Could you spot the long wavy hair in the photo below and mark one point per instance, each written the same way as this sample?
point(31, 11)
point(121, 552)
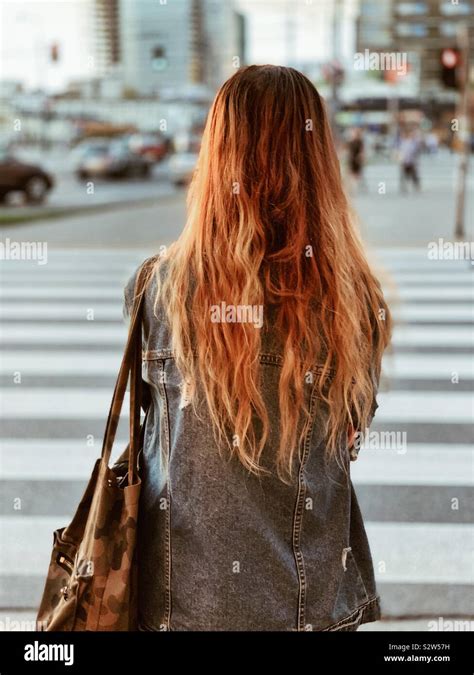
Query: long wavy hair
point(269, 224)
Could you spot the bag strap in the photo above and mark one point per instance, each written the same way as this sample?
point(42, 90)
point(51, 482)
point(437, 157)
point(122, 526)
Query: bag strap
point(130, 366)
point(135, 402)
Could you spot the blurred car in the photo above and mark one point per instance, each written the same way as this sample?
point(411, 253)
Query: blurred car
point(109, 159)
point(18, 176)
point(181, 167)
point(153, 147)
point(87, 129)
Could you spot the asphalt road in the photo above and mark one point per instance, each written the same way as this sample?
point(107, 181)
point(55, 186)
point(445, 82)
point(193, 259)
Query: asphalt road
point(386, 218)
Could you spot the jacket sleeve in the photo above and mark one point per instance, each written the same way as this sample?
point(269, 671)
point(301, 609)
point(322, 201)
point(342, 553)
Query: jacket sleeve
point(375, 379)
point(129, 290)
point(128, 295)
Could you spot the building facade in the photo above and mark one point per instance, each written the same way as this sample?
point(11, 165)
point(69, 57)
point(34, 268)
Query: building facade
point(421, 27)
point(176, 43)
point(106, 23)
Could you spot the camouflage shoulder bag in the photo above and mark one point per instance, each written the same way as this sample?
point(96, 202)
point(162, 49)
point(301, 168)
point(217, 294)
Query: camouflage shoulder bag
point(91, 582)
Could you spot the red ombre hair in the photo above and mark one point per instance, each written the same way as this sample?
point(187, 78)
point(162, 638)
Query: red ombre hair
point(268, 222)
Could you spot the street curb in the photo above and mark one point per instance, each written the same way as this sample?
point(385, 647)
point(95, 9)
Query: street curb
point(65, 212)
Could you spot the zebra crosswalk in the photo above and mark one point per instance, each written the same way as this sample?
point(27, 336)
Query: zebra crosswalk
point(61, 340)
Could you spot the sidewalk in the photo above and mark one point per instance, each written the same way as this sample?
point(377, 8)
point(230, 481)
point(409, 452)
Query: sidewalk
point(389, 218)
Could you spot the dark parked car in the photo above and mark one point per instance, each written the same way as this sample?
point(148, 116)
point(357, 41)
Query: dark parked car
point(109, 159)
point(17, 176)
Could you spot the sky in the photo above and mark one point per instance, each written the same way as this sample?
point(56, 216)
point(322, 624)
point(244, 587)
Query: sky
point(279, 31)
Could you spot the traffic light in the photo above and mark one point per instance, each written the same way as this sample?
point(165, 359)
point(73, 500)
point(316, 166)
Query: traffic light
point(158, 58)
point(54, 52)
point(449, 59)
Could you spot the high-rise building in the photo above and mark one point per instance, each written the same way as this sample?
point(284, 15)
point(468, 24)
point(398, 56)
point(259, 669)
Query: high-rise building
point(374, 25)
point(173, 43)
point(105, 19)
point(422, 27)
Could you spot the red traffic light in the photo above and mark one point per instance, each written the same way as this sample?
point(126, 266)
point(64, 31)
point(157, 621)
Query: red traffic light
point(450, 58)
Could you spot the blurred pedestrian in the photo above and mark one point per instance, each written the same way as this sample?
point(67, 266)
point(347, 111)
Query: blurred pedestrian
point(432, 143)
point(409, 151)
point(355, 159)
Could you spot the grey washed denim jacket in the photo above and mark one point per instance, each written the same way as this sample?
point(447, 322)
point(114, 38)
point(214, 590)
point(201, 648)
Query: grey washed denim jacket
point(222, 549)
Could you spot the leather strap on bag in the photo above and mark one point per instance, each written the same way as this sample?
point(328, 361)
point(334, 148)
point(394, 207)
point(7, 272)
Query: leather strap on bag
point(130, 367)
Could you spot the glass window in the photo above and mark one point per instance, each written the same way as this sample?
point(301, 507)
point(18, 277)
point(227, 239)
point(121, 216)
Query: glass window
point(448, 28)
point(411, 8)
point(379, 36)
point(375, 9)
point(463, 7)
point(411, 30)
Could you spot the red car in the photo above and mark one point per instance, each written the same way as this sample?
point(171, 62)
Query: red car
point(153, 147)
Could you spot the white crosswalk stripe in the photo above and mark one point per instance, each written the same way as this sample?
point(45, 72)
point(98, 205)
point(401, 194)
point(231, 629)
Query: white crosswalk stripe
point(61, 337)
point(62, 334)
point(73, 362)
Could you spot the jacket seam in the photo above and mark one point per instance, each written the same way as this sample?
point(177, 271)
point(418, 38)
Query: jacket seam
point(269, 358)
point(298, 520)
point(162, 388)
point(358, 611)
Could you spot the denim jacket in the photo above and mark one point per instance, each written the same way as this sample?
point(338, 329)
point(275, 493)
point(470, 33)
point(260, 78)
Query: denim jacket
point(222, 549)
